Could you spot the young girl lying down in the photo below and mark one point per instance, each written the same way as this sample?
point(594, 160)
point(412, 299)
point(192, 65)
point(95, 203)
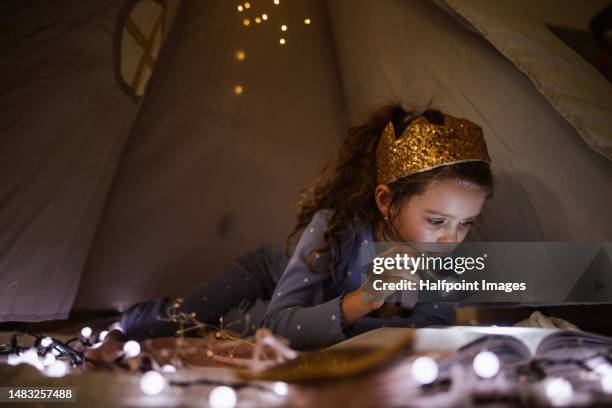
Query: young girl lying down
point(399, 177)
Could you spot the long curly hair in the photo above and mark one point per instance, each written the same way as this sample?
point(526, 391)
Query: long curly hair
point(347, 185)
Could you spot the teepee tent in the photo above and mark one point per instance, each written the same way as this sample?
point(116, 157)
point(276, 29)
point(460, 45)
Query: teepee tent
point(111, 194)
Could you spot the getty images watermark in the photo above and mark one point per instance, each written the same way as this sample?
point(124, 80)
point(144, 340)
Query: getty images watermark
point(523, 272)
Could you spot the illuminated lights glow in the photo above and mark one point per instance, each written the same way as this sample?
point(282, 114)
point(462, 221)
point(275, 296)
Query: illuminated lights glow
point(307, 21)
point(48, 359)
point(238, 89)
point(559, 391)
point(486, 364)
point(168, 368)
point(282, 41)
point(606, 382)
point(425, 370)
point(102, 335)
point(86, 331)
point(281, 388)
point(131, 348)
point(246, 22)
point(222, 397)
point(14, 359)
point(283, 27)
point(152, 383)
point(46, 341)
point(57, 369)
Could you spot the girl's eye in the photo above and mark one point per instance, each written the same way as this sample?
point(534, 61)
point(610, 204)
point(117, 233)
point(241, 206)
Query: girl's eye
point(467, 223)
point(435, 222)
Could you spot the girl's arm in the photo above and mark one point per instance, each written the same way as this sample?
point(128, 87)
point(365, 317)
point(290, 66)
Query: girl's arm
point(424, 314)
point(299, 310)
point(354, 307)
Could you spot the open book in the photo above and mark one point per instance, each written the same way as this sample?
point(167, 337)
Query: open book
point(459, 343)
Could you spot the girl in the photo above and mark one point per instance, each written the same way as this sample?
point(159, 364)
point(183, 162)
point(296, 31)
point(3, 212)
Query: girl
point(399, 177)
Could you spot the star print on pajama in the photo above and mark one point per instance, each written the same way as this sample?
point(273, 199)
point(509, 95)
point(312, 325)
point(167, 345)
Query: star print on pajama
point(307, 305)
point(266, 289)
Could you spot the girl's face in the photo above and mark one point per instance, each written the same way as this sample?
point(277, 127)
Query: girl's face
point(443, 213)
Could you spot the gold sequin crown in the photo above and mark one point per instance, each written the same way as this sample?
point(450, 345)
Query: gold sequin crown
point(424, 146)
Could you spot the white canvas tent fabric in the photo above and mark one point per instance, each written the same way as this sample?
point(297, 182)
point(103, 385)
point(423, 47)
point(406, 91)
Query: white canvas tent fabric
point(207, 175)
point(63, 125)
point(550, 185)
point(62, 129)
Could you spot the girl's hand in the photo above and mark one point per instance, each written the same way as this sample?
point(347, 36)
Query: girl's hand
point(391, 277)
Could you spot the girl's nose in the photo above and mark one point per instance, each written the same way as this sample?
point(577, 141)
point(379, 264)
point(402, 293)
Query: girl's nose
point(449, 236)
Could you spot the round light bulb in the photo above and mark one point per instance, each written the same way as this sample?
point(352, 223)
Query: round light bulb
point(282, 41)
point(246, 22)
point(152, 383)
point(264, 16)
point(307, 21)
point(46, 341)
point(559, 391)
point(238, 89)
point(57, 369)
point(281, 388)
point(240, 55)
point(222, 397)
point(425, 370)
point(86, 331)
point(102, 335)
point(240, 8)
point(48, 359)
point(283, 28)
point(257, 20)
point(606, 382)
point(14, 359)
point(486, 364)
point(247, 5)
point(31, 357)
point(277, 2)
point(131, 348)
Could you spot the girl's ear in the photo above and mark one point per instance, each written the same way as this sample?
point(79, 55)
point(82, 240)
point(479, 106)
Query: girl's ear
point(383, 196)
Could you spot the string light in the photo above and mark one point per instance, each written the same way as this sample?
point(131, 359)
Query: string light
point(247, 5)
point(57, 369)
point(281, 388)
point(131, 348)
point(86, 331)
point(246, 22)
point(257, 20)
point(486, 364)
point(282, 41)
point(31, 357)
point(283, 27)
point(240, 8)
point(277, 2)
point(48, 359)
point(264, 16)
point(102, 335)
point(152, 383)
point(559, 391)
point(238, 89)
point(425, 370)
point(222, 397)
point(307, 21)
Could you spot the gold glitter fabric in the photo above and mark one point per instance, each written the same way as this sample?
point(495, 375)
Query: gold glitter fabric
point(424, 146)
